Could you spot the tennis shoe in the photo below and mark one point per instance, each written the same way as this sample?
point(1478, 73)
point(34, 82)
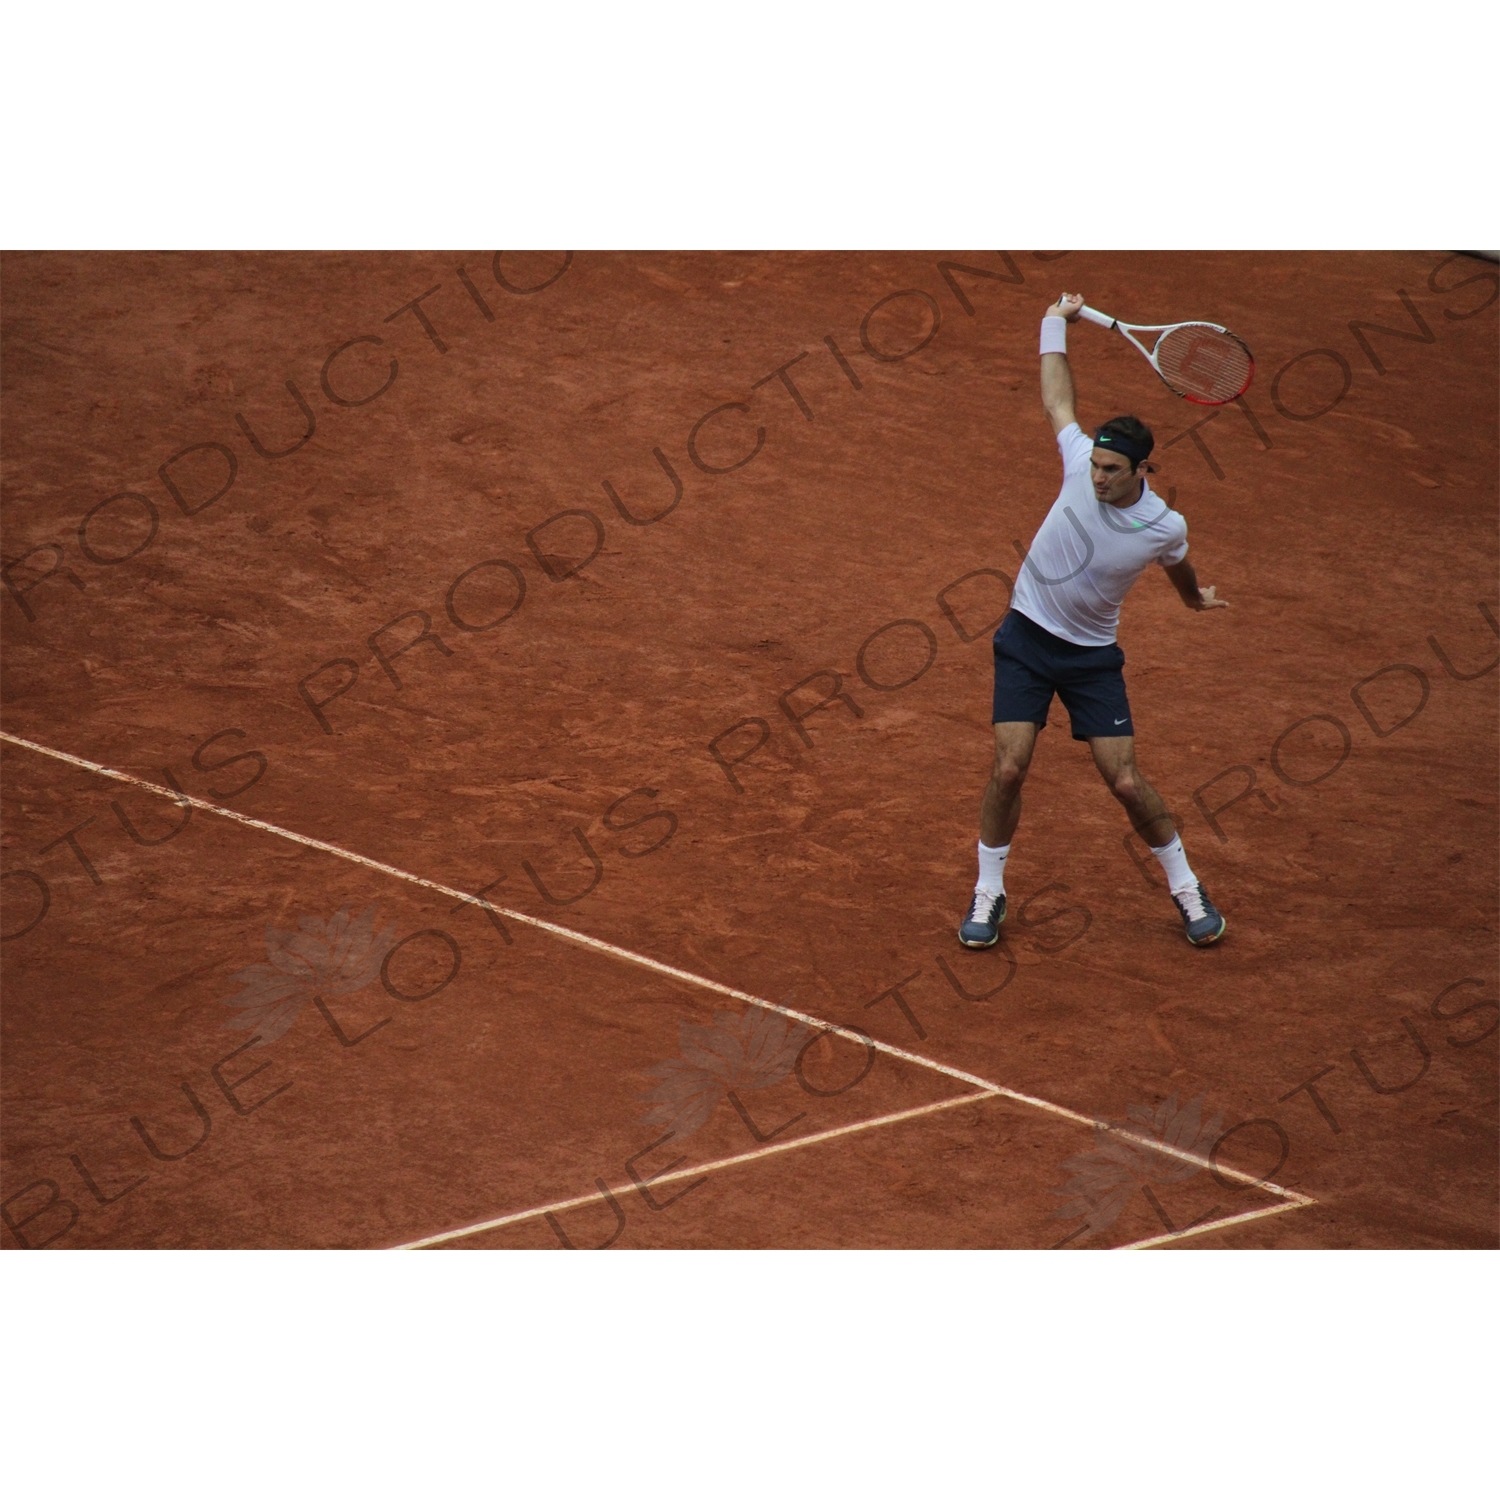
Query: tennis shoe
point(981, 928)
point(1201, 921)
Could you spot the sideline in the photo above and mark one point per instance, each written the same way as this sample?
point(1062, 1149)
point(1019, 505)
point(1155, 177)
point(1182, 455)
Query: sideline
point(987, 1089)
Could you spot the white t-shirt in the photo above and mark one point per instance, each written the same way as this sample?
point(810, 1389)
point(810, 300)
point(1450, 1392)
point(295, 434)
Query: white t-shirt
point(1086, 554)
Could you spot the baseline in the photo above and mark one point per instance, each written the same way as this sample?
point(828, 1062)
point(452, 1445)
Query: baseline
point(1296, 1200)
point(705, 1167)
point(986, 1088)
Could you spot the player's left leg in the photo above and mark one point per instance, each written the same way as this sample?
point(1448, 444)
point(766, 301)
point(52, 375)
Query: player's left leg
point(1114, 755)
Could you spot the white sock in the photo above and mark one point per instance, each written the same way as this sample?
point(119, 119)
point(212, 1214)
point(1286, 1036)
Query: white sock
point(1174, 864)
point(992, 869)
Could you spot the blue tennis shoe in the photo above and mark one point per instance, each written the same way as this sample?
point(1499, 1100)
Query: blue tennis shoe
point(981, 928)
point(1201, 920)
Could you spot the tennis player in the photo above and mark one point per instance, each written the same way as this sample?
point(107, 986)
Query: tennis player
point(1059, 637)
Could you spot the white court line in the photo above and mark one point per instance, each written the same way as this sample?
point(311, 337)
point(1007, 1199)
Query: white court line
point(812, 1140)
point(708, 1166)
point(1303, 1201)
point(640, 959)
point(567, 933)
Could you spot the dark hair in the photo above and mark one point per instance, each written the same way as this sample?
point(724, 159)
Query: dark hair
point(1135, 438)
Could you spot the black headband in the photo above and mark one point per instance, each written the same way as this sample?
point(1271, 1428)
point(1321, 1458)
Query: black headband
point(1118, 443)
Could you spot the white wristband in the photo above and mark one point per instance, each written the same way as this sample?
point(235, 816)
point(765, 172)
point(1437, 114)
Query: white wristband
point(1054, 335)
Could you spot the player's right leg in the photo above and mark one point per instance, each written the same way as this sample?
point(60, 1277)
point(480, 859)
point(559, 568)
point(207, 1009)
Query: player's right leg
point(999, 813)
point(1000, 810)
point(1023, 694)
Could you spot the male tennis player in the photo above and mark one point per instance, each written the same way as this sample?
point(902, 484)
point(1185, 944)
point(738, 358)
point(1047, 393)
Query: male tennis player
point(1059, 637)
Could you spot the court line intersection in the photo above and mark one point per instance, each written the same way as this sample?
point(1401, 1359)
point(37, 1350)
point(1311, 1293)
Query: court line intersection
point(985, 1088)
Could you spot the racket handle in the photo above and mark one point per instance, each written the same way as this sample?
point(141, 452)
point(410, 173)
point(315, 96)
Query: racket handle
point(1090, 316)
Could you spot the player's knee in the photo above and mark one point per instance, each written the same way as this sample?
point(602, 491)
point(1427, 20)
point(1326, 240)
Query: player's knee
point(1126, 785)
point(1008, 774)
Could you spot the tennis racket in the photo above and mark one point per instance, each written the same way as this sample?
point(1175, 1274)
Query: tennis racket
point(1199, 361)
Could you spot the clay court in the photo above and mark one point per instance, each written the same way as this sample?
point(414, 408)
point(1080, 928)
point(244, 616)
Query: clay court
point(616, 626)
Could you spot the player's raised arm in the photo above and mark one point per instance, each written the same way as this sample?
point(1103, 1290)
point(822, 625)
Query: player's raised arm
point(1057, 378)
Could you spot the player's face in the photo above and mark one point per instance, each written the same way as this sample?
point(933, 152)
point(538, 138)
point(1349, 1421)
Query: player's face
point(1113, 481)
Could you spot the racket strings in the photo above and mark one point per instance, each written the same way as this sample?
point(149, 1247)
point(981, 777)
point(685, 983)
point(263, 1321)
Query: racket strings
point(1203, 363)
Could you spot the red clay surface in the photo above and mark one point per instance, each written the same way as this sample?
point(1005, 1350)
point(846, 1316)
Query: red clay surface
point(1359, 883)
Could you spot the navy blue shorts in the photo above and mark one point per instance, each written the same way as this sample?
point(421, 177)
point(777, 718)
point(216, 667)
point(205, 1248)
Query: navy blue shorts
point(1031, 664)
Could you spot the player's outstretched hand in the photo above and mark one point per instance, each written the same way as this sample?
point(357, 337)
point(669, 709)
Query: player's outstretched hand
point(1207, 600)
point(1066, 306)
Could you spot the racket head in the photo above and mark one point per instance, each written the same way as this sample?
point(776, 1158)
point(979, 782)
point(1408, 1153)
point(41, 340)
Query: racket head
point(1203, 363)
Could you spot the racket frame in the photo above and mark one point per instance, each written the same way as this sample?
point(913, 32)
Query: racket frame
point(1161, 330)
